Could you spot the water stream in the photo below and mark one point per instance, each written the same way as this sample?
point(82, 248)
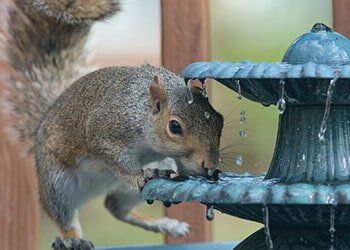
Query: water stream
point(265, 213)
point(323, 127)
point(239, 90)
point(332, 227)
point(204, 86)
point(189, 96)
point(281, 104)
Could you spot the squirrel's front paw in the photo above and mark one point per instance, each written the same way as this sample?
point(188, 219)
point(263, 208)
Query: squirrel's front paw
point(172, 227)
point(71, 244)
point(153, 173)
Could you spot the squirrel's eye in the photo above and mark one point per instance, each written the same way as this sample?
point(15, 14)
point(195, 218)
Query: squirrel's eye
point(175, 127)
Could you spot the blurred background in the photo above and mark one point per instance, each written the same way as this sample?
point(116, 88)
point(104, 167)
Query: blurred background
point(256, 30)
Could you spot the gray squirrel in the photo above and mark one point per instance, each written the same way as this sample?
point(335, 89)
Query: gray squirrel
point(96, 133)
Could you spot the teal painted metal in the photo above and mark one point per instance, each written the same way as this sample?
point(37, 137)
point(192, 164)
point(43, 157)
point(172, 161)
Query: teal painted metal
point(300, 239)
point(194, 246)
point(308, 182)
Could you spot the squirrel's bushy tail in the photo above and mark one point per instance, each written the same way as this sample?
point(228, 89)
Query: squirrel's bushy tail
point(42, 46)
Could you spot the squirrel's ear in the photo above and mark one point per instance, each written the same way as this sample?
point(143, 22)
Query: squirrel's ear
point(158, 96)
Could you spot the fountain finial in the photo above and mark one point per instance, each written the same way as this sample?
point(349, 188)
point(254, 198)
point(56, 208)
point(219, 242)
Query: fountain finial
point(321, 45)
point(320, 27)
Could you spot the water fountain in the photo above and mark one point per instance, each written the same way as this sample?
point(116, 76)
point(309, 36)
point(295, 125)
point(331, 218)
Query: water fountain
point(304, 199)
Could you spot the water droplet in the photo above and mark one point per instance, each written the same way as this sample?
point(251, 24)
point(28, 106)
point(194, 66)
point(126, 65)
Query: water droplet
point(149, 202)
point(167, 203)
point(303, 157)
point(323, 127)
point(255, 164)
point(332, 226)
point(238, 160)
point(242, 120)
point(242, 133)
point(220, 160)
point(281, 104)
point(239, 90)
point(206, 114)
point(242, 113)
point(210, 213)
point(265, 213)
point(189, 95)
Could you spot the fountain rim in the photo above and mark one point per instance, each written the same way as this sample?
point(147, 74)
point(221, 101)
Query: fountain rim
point(264, 70)
point(238, 190)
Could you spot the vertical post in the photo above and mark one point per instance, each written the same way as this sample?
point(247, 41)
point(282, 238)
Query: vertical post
point(185, 40)
point(19, 211)
point(341, 16)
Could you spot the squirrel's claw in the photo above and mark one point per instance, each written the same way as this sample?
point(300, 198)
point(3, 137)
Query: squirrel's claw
point(150, 173)
point(153, 173)
point(71, 244)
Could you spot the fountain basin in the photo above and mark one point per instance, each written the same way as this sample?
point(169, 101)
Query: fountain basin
point(304, 198)
point(245, 195)
point(305, 84)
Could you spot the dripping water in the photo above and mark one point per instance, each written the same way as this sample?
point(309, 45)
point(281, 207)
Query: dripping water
point(242, 133)
point(238, 83)
point(149, 202)
point(189, 95)
point(242, 119)
point(210, 213)
point(238, 160)
point(204, 86)
point(332, 227)
point(281, 104)
point(265, 213)
point(206, 114)
point(323, 127)
point(167, 203)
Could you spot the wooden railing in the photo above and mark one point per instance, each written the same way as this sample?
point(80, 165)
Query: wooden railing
point(185, 40)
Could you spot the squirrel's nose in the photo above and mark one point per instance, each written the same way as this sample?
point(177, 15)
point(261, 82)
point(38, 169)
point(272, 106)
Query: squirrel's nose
point(212, 172)
point(207, 166)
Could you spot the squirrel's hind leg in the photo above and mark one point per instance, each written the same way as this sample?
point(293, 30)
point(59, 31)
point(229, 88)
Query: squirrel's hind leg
point(121, 203)
point(60, 199)
point(72, 236)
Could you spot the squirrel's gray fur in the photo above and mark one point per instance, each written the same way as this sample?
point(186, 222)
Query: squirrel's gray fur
point(98, 132)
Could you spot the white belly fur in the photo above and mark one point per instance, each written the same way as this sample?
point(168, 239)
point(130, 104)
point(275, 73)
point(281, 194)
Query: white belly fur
point(93, 178)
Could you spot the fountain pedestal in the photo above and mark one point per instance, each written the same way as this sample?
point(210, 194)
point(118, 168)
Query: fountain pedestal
point(301, 156)
point(304, 199)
